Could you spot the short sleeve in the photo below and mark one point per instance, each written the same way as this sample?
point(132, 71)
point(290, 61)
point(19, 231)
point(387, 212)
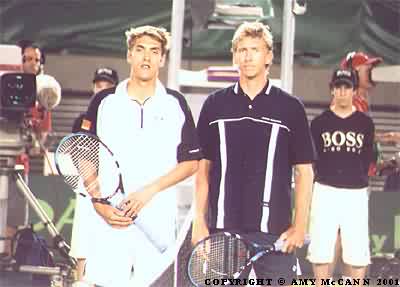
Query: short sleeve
point(208, 134)
point(189, 148)
point(301, 146)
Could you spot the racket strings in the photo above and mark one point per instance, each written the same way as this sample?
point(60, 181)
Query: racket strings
point(82, 159)
point(218, 257)
point(79, 157)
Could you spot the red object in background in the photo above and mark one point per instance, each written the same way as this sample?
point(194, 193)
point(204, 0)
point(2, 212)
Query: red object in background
point(355, 59)
point(40, 119)
point(361, 104)
point(23, 159)
point(372, 171)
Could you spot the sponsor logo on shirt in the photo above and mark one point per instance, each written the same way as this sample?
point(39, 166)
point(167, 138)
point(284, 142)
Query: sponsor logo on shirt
point(86, 124)
point(340, 141)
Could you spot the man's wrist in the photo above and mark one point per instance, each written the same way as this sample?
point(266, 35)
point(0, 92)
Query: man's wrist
point(299, 228)
point(99, 201)
point(153, 188)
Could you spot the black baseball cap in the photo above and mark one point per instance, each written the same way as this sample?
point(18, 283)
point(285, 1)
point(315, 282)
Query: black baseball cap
point(346, 77)
point(106, 74)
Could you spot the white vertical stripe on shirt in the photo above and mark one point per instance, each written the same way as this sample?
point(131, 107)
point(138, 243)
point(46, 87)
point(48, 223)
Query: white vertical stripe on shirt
point(221, 196)
point(268, 177)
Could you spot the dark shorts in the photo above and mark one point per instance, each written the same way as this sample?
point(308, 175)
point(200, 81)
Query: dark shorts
point(274, 266)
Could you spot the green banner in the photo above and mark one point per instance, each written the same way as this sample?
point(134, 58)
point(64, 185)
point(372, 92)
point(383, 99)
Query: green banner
point(59, 203)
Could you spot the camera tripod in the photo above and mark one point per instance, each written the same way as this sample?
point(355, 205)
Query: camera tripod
point(57, 274)
point(9, 149)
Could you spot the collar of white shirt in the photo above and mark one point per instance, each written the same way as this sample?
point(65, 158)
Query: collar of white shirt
point(122, 88)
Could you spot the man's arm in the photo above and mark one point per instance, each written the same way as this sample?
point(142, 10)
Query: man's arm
point(137, 200)
point(200, 226)
point(303, 178)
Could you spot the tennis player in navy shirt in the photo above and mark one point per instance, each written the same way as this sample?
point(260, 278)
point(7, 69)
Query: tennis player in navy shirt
point(254, 136)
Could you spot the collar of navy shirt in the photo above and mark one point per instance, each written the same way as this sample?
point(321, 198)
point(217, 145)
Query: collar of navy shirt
point(237, 89)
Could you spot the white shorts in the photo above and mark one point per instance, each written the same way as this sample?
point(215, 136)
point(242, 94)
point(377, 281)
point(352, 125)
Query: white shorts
point(113, 252)
point(334, 209)
point(82, 227)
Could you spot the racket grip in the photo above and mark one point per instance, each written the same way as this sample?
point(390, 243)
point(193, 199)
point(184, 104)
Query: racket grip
point(278, 245)
point(100, 200)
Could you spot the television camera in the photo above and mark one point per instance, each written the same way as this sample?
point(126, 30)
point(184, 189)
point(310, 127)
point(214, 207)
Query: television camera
point(19, 94)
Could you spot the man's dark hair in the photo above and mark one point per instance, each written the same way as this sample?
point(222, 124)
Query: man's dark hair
point(25, 43)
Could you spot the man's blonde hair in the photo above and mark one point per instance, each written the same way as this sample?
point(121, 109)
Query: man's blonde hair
point(157, 33)
point(253, 30)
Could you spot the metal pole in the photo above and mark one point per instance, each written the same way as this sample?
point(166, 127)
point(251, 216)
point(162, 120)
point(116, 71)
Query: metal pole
point(58, 240)
point(288, 32)
point(3, 207)
point(175, 55)
point(174, 63)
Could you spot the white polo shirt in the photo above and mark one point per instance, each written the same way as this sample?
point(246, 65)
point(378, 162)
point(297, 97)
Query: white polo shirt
point(148, 140)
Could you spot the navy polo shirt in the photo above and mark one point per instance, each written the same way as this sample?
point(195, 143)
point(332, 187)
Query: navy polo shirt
point(87, 122)
point(253, 145)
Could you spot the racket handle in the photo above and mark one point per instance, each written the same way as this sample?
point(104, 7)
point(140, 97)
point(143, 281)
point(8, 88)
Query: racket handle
point(100, 200)
point(278, 245)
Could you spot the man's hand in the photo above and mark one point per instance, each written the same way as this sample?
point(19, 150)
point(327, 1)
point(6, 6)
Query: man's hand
point(292, 239)
point(135, 201)
point(112, 216)
point(199, 230)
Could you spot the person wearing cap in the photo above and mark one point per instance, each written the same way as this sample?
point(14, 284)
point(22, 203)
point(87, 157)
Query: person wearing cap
point(343, 137)
point(104, 81)
point(362, 64)
point(104, 78)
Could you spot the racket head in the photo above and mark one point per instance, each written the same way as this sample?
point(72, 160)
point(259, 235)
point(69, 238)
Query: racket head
point(88, 166)
point(218, 256)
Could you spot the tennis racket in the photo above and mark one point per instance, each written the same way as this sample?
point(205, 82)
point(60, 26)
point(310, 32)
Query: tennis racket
point(225, 255)
point(82, 159)
point(91, 170)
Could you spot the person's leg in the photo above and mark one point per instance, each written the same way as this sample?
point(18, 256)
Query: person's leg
point(109, 260)
point(355, 272)
point(81, 232)
point(355, 234)
point(10, 233)
point(148, 262)
point(321, 271)
point(80, 268)
point(324, 228)
point(337, 259)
